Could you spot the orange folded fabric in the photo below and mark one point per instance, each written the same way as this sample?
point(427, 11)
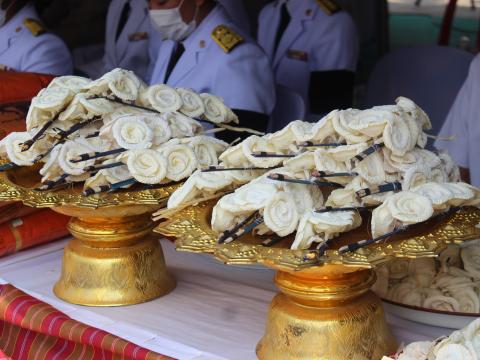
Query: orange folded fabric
point(30, 230)
point(13, 210)
point(16, 91)
point(19, 87)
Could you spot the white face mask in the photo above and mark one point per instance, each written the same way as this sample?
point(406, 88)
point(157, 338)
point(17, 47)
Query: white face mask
point(170, 25)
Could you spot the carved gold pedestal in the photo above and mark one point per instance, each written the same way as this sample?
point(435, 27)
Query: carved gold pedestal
point(112, 260)
point(333, 317)
point(326, 309)
point(115, 258)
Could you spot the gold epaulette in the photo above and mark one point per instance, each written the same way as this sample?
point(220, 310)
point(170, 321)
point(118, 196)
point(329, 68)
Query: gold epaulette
point(330, 7)
point(226, 38)
point(34, 26)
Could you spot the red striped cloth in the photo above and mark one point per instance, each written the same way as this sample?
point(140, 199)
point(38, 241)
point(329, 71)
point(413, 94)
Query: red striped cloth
point(31, 329)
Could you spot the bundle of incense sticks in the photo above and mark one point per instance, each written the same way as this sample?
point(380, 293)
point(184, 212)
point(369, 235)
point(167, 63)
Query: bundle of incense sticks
point(242, 228)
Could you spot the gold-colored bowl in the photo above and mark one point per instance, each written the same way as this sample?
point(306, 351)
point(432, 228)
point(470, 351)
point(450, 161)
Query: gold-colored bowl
point(115, 258)
point(326, 309)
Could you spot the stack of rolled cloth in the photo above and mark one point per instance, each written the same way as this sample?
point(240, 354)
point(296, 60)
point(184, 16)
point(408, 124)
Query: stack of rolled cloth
point(319, 180)
point(116, 132)
point(450, 283)
point(462, 344)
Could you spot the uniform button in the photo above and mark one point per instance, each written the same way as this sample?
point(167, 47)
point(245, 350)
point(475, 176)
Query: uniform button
point(18, 29)
point(308, 12)
point(202, 44)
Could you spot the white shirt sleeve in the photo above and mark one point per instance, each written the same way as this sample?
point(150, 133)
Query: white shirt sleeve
point(462, 116)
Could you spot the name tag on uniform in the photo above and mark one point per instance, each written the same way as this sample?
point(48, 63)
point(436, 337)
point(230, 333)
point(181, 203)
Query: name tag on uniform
point(138, 36)
point(297, 55)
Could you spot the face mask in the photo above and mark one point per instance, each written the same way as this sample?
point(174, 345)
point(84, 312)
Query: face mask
point(170, 25)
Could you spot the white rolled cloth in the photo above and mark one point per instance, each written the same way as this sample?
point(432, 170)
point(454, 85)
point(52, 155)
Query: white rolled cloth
point(147, 166)
point(70, 150)
point(181, 161)
point(162, 98)
point(192, 103)
point(131, 132)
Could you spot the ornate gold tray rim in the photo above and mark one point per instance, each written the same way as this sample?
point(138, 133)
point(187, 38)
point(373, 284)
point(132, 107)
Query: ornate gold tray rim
point(192, 233)
point(9, 191)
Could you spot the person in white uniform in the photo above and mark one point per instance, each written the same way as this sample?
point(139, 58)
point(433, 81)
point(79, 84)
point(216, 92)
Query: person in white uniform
point(203, 50)
point(26, 46)
point(130, 42)
point(313, 47)
point(463, 123)
point(127, 37)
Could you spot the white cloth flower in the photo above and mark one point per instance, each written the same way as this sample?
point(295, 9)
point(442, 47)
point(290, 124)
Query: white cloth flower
point(181, 161)
point(12, 146)
point(181, 125)
point(70, 150)
point(162, 98)
point(131, 132)
point(280, 214)
point(441, 303)
point(216, 111)
point(192, 103)
point(73, 83)
point(206, 148)
point(147, 166)
point(471, 260)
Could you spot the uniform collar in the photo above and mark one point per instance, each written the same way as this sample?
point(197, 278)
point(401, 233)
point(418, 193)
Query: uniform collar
point(198, 41)
point(15, 26)
point(201, 37)
point(301, 12)
point(302, 9)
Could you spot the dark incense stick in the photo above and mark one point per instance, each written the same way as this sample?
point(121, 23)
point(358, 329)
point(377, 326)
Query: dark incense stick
point(311, 144)
point(49, 185)
point(352, 208)
point(220, 168)
point(96, 155)
point(7, 166)
point(283, 178)
point(229, 233)
point(363, 243)
point(29, 143)
point(108, 188)
point(245, 230)
point(395, 186)
point(264, 154)
point(323, 174)
point(102, 167)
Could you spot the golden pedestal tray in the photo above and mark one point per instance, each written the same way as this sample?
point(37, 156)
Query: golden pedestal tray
point(324, 310)
point(115, 258)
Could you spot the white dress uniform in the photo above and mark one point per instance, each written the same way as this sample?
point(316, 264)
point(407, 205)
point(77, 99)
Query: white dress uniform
point(25, 46)
point(131, 50)
point(240, 74)
point(317, 39)
point(463, 122)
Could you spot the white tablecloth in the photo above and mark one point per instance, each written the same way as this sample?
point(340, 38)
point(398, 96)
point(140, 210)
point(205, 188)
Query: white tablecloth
point(216, 311)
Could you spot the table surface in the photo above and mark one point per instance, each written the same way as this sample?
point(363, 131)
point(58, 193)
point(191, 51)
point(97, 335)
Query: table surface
point(216, 311)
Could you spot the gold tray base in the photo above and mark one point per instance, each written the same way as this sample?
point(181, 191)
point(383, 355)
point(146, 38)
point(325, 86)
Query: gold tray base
point(112, 261)
point(334, 318)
